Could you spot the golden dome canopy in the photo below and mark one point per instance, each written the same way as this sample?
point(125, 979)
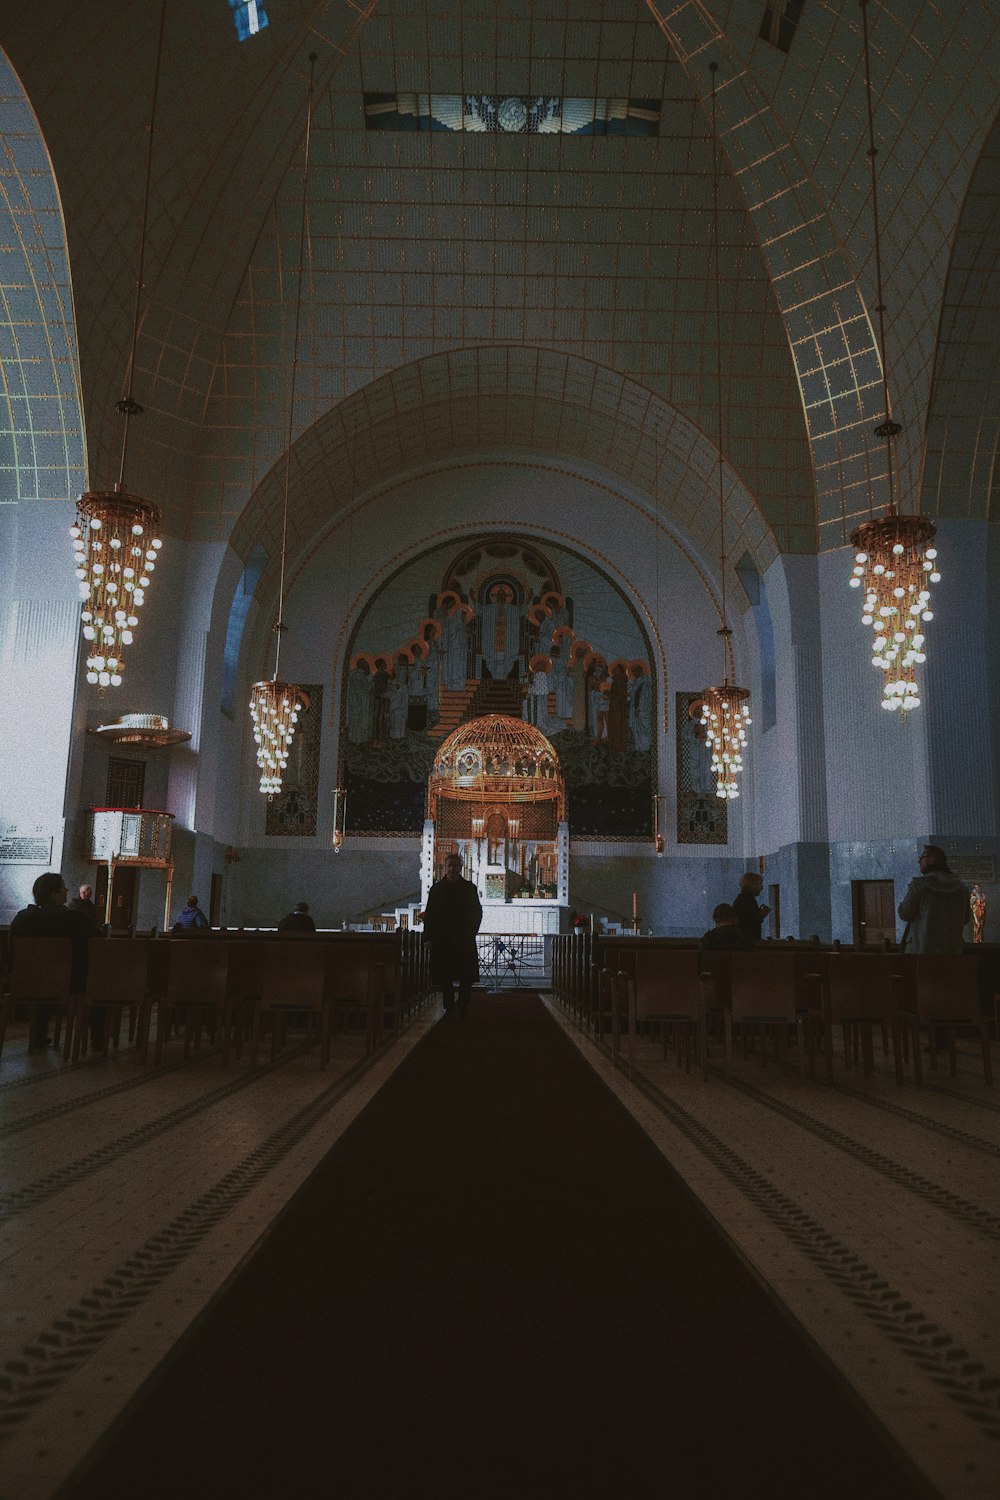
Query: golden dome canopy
point(496, 756)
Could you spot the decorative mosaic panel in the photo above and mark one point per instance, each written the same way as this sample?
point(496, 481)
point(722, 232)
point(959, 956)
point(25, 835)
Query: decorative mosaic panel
point(293, 812)
point(500, 628)
point(701, 815)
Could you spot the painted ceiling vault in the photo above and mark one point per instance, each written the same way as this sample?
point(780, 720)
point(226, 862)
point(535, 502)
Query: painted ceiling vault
point(502, 288)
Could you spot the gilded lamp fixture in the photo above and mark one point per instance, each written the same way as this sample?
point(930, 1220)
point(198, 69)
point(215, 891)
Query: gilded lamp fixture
point(895, 559)
point(725, 713)
point(116, 535)
point(274, 710)
point(725, 710)
point(275, 705)
point(116, 543)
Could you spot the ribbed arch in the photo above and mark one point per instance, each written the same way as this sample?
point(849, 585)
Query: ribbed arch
point(42, 455)
point(519, 403)
point(815, 280)
point(961, 470)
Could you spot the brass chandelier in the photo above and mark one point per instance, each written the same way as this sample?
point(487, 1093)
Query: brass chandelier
point(725, 710)
point(895, 558)
point(116, 535)
point(275, 705)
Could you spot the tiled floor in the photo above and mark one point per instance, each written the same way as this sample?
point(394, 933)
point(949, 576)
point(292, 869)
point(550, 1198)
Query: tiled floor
point(129, 1195)
point(872, 1212)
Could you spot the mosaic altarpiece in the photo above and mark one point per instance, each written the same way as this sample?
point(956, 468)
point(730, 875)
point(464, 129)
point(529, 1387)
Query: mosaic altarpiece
point(293, 812)
point(499, 627)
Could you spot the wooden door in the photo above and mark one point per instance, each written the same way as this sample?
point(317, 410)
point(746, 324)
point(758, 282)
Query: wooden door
point(874, 908)
point(124, 890)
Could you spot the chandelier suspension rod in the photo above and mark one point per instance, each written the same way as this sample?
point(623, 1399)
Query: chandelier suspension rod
point(724, 632)
point(127, 405)
point(280, 625)
point(887, 429)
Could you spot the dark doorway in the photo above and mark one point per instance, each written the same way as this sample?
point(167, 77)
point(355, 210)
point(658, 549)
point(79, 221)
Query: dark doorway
point(873, 904)
point(774, 902)
point(215, 902)
point(123, 896)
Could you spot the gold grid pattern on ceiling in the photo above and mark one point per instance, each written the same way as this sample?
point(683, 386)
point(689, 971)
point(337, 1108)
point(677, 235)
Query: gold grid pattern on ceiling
point(594, 246)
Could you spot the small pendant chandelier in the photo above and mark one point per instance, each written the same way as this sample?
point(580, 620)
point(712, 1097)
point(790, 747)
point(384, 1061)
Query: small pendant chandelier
point(116, 535)
point(725, 710)
point(274, 708)
point(725, 713)
point(275, 705)
point(895, 558)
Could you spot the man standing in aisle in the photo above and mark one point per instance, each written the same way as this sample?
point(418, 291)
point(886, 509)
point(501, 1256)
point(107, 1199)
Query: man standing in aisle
point(451, 921)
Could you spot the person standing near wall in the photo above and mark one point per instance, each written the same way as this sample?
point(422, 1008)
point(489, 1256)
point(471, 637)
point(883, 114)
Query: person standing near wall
point(749, 915)
point(935, 907)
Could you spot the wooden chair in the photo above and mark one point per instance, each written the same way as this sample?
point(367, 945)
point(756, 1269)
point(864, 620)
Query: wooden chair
point(198, 988)
point(358, 987)
point(716, 964)
point(861, 991)
point(947, 995)
point(41, 978)
point(670, 990)
point(605, 1009)
point(117, 980)
point(295, 978)
point(764, 993)
point(244, 983)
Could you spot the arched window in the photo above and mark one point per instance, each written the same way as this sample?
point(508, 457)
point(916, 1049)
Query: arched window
point(242, 600)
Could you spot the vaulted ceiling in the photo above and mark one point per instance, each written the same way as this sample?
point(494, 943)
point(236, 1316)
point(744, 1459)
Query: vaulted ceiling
point(544, 293)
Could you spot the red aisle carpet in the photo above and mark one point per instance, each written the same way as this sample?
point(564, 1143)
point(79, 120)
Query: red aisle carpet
point(494, 1286)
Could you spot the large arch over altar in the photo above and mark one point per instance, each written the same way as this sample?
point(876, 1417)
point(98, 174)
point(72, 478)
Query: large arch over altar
point(496, 797)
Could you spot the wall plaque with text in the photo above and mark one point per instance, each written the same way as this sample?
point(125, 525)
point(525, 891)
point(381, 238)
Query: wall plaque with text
point(28, 849)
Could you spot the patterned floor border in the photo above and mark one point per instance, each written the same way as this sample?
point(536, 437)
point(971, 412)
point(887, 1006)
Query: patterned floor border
point(57, 1352)
point(100, 1095)
point(22, 1199)
point(967, 1382)
point(969, 1214)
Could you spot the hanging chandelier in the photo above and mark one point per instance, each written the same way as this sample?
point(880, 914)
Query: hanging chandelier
point(116, 542)
point(895, 563)
point(116, 535)
point(274, 709)
point(725, 710)
point(275, 705)
point(725, 714)
point(895, 559)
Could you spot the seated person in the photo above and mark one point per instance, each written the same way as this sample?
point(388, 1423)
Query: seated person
point(49, 917)
point(298, 920)
point(191, 918)
point(85, 902)
point(725, 935)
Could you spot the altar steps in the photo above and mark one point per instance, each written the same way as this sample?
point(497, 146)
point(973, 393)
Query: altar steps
point(477, 698)
point(453, 706)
